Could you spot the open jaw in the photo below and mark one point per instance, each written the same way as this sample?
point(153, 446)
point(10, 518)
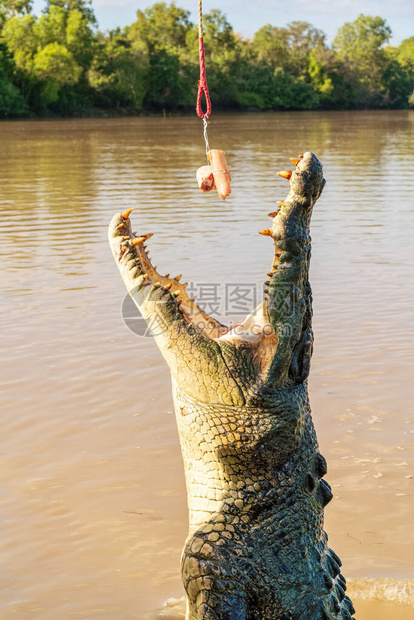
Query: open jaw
point(149, 288)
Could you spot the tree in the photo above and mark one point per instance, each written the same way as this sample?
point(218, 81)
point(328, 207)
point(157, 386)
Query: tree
point(301, 39)
point(320, 62)
point(51, 54)
point(160, 27)
point(160, 32)
point(405, 53)
point(60, 62)
point(270, 46)
point(359, 46)
point(118, 74)
point(11, 100)
point(13, 8)
point(81, 6)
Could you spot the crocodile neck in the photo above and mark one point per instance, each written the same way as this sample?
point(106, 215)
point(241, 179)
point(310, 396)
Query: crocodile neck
point(238, 465)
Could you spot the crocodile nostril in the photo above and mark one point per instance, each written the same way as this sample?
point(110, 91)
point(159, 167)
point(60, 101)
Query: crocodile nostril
point(321, 467)
point(324, 493)
point(310, 481)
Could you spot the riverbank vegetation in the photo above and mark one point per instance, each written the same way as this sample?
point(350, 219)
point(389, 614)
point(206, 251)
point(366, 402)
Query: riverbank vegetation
point(61, 64)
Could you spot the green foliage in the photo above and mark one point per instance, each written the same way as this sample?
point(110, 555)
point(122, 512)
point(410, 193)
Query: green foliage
point(367, 69)
point(405, 53)
point(51, 54)
point(118, 74)
point(13, 8)
point(59, 62)
point(11, 99)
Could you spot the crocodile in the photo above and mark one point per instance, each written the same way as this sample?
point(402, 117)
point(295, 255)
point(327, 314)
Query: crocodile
point(256, 548)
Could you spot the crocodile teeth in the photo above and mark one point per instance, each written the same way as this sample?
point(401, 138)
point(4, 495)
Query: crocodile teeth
point(120, 227)
point(126, 214)
point(286, 174)
point(266, 232)
point(294, 160)
point(168, 286)
point(141, 239)
point(273, 214)
point(122, 252)
point(178, 278)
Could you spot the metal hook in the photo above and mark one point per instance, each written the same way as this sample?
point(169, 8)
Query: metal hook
point(206, 136)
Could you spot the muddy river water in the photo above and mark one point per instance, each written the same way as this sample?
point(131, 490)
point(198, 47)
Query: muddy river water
point(93, 508)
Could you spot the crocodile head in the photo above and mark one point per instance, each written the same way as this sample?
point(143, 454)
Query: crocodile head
point(271, 348)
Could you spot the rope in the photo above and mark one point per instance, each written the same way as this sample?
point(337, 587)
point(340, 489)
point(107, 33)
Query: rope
point(202, 84)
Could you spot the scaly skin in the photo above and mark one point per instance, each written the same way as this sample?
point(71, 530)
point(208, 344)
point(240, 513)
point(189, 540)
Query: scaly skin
point(256, 547)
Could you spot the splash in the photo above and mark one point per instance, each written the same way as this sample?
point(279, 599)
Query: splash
point(173, 609)
point(385, 590)
point(390, 590)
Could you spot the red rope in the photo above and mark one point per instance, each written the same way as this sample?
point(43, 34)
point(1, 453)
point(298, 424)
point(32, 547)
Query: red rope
point(202, 84)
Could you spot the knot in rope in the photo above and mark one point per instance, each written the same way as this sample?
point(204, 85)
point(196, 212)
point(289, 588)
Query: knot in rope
point(202, 84)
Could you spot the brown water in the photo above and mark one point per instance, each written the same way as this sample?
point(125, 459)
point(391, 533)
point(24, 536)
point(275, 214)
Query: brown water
point(93, 502)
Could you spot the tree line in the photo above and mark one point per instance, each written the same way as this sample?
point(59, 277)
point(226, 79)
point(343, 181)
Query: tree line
point(61, 63)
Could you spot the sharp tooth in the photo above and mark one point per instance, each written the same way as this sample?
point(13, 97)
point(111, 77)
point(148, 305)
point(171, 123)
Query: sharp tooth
point(147, 236)
point(270, 273)
point(167, 275)
point(120, 227)
point(280, 203)
point(158, 284)
point(168, 286)
point(145, 276)
point(135, 232)
point(300, 156)
point(155, 267)
point(294, 160)
point(267, 283)
point(141, 239)
point(176, 293)
point(123, 250)
point(266, 232)
point(286, 174)
point(126, 214)
point(178, 278)
point(273, 214)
